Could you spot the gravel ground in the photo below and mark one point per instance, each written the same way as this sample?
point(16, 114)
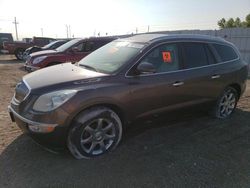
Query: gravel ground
point(190, 152)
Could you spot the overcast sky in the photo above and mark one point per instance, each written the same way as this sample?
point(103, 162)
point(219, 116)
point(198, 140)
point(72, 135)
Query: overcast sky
point(89, 17)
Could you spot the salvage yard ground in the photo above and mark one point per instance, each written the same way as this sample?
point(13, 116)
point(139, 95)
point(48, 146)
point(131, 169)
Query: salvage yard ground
point(190, 152)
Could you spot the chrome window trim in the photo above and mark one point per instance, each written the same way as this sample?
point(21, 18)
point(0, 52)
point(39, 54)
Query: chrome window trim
point(180, 41)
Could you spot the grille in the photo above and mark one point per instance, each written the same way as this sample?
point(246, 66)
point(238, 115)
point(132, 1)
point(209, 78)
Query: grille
point(21, 91)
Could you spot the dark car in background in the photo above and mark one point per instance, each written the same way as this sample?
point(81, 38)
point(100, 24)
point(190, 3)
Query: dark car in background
point(18, 47)
point(87, 106)
point(51, 46)
point(72, 51)
point(5, 37)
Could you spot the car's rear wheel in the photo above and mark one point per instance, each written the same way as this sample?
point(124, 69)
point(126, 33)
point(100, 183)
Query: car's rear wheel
point(95, 132)
point(19, 53)
point(226, 103)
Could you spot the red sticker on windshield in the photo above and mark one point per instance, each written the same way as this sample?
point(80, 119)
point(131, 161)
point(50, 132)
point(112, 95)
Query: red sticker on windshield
point(166, 56)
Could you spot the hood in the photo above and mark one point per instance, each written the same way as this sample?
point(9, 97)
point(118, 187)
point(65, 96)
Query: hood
point(57, 74)
point(45, 52)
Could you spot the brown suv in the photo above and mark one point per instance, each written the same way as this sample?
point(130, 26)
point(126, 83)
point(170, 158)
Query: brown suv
point(87, 106)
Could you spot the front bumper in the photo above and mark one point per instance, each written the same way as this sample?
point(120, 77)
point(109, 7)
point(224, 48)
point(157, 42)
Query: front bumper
point(55, 139)
point(5, 51)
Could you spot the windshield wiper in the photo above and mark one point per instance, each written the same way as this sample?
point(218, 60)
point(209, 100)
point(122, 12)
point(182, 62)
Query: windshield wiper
point(88, 67)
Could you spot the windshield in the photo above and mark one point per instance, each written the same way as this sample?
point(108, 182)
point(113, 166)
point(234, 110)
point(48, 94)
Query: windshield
point(112, 56)
point(67, 45)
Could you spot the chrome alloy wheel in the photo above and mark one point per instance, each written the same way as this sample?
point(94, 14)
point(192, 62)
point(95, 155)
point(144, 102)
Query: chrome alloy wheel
point(227, 104)
point(98, 136)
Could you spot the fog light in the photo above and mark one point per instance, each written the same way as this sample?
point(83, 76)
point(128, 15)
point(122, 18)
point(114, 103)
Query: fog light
point(41, 128)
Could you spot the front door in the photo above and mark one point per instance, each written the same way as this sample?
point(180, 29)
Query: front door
point(155, 92)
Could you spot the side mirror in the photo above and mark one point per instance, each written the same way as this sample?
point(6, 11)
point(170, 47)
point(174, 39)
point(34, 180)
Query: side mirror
point(146, 68)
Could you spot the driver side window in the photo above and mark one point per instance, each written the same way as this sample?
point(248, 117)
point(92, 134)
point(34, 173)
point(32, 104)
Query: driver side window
point(164, 58)
point(79, 47)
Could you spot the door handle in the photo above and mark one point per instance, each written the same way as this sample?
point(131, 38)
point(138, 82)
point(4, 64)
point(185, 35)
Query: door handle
point(176, 84)
point(215, 76)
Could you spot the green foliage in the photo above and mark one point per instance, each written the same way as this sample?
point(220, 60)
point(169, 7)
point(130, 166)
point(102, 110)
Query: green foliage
point(222, 23)
point(231, 23)
point(248, 20)
point(237, 22)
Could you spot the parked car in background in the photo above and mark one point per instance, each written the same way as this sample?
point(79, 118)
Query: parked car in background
point(5, 37)
point(72, 51)
point(18, 47)
point(51, 46)
point(87, 106)
point(27, 40)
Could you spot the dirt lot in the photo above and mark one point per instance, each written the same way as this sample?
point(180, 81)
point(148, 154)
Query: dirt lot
point(191, 152)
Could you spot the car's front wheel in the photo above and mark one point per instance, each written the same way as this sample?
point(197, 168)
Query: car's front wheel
point(94, 132)
point(226, 103)
point(19, 53)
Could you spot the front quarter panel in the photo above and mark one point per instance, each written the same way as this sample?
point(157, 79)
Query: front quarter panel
point(112, 94)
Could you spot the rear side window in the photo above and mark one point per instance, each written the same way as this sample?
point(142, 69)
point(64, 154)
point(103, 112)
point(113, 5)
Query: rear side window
point(194, 55)
point(225, 53)
point(210, 56)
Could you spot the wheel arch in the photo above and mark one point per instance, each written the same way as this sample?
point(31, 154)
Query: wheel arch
point(114, 107)
point(18, 48)
point(237, 87)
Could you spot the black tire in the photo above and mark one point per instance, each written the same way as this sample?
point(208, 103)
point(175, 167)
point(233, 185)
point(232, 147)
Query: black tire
point(94, 132)
point(226, 103)
point(19, 53)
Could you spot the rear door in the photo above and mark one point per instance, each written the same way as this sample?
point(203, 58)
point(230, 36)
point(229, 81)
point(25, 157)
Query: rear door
point(226, 66)
point(200, 86)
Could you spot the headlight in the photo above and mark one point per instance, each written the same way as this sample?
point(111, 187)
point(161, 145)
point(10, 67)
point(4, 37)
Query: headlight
point(53, 100)
point(38, 59)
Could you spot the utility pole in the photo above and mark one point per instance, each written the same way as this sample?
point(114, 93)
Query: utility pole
point(69, 32)
point(67, 29)
point(42, 31)
point(136, 30)
point(15, 22)
point(148, 28)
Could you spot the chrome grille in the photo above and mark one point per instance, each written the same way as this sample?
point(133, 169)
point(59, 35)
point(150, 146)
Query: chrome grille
point(21, 91)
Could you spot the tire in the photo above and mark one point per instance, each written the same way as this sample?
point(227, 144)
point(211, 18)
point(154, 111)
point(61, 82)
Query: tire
point(95, 132)
point(226, 103)
point(19, 53)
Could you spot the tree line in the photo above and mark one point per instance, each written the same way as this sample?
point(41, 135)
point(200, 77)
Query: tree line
point(230, 23)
